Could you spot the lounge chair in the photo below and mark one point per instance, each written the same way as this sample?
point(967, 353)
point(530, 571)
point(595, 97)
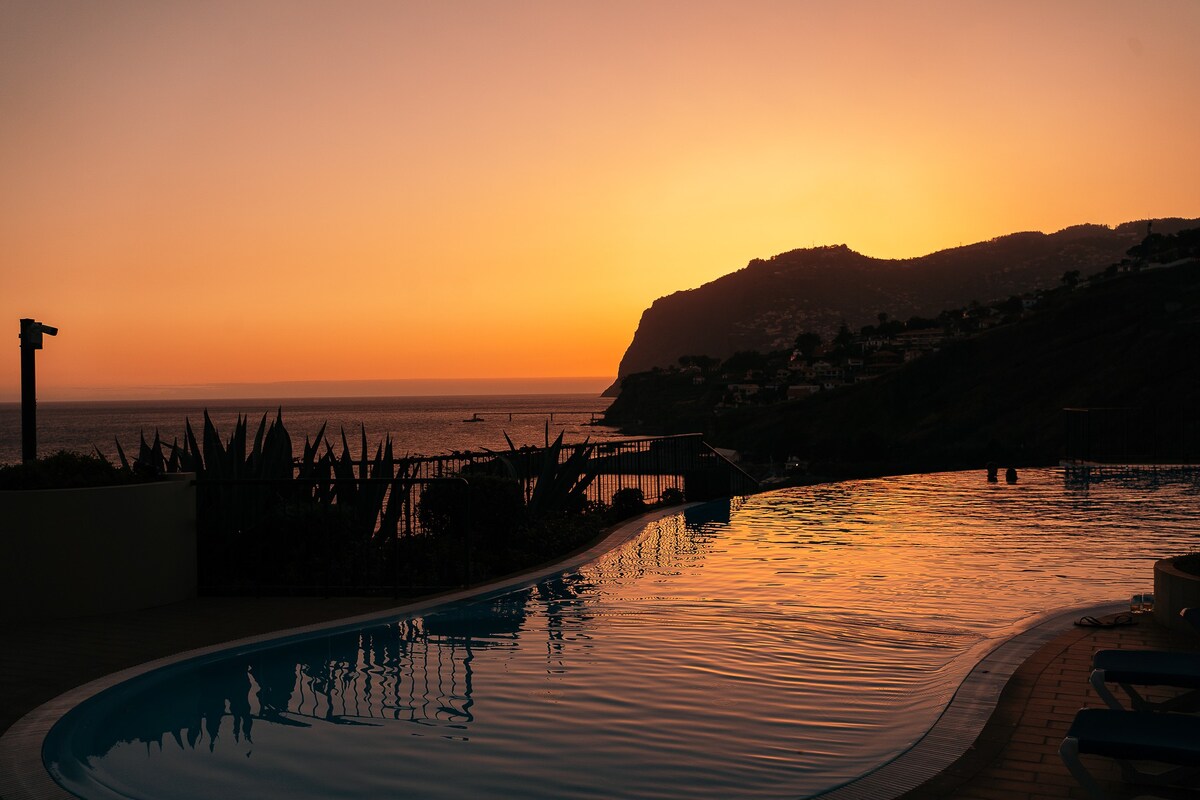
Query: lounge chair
point(1130, 668)
point(1171, 740)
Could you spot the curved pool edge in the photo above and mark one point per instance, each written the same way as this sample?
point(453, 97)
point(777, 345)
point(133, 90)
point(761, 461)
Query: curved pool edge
point(23, 774)
point(975, 700)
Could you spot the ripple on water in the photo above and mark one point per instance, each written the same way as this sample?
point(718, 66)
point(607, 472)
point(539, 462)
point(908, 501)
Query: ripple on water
point(771, 647)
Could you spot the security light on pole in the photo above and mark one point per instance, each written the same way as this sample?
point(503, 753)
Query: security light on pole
point(31, 340)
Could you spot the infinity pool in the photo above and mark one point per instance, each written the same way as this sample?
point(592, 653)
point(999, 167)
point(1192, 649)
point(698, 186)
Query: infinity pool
point(776, 646)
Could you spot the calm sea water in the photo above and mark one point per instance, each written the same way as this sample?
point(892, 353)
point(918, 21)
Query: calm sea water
point(773, 647)
point(417, 425)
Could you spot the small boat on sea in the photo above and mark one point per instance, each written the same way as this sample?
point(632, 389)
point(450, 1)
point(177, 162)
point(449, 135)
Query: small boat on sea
point(474, 418)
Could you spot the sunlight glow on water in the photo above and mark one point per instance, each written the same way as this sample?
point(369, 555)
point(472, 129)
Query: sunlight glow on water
point(775, 648)
point(417, 425)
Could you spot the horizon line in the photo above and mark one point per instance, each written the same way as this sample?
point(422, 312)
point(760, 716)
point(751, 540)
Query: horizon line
point(323, 389)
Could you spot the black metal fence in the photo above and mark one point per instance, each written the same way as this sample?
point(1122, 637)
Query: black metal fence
point(652, 464)
point(1131, 435)
point(424, 529)
point(341, 536)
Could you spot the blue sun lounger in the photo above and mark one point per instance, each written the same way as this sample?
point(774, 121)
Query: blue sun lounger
point(1170, 740)
point(1130, 668)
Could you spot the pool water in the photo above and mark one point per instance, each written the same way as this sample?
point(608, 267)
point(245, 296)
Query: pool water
point(773, 646)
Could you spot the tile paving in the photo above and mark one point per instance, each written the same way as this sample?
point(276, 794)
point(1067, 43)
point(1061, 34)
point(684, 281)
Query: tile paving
point(1015, 756)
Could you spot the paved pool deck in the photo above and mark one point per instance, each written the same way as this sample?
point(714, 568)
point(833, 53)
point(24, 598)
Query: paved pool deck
point(1015, 756)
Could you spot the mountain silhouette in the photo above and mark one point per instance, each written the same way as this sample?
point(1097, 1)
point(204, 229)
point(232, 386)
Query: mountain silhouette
point(1125, 344)
point(764, 305)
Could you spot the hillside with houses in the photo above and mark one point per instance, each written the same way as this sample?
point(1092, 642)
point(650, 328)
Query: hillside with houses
point(1027, 355)
point(763, 306)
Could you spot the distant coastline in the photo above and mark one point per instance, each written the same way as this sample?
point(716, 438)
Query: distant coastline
point(300, 390)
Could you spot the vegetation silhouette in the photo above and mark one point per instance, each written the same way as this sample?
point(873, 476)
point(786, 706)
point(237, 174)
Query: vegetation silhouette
point(1121, 337)
point(66, 470)
point(337, 521)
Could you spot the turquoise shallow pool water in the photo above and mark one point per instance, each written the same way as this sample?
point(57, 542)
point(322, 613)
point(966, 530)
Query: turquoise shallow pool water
point(773, 647)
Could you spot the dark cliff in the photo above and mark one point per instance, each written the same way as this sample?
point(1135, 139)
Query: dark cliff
point(764, 305)
point(1128, 343)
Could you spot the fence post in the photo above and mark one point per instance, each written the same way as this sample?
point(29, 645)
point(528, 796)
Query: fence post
point(396, 545)
point(467, 530)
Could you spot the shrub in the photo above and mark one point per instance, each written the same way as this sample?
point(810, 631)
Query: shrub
point(628, 502)
point(1189, 563)
point(64, 470)
point(671, 496)
point(496, 506)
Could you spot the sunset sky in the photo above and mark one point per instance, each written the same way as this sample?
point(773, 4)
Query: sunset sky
point(222, 193)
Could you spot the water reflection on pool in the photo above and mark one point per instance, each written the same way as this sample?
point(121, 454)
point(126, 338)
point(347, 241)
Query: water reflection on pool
point(773, 648)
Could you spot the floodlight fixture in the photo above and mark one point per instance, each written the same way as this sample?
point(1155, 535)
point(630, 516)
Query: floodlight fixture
point(32, 332)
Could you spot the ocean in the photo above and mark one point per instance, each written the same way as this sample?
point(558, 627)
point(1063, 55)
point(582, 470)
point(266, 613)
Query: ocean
point(417, 425)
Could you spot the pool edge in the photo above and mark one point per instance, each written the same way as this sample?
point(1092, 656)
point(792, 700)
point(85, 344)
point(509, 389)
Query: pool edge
point(974, 702)
point(23, 775)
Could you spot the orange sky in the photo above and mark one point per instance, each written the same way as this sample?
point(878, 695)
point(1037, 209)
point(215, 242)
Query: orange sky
point(257, 191)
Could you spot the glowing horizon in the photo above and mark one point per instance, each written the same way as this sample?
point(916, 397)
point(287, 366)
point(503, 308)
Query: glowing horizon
point(271, 192)
point(320, 390)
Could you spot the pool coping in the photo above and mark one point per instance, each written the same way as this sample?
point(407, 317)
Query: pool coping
point(954, 732)
point(23, 775)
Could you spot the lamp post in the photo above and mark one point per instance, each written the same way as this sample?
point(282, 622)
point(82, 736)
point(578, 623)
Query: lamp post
point(31, 340)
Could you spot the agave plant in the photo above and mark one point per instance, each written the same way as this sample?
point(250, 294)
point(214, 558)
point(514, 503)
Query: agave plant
point(560, 485)
point(266, 516)
point(150, 459)
point(267, 457)
point(378, 492)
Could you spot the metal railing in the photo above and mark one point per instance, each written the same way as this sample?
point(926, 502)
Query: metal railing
point(339, 536)
point(651, 464)
point(1131, 435)
point(419, 531)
